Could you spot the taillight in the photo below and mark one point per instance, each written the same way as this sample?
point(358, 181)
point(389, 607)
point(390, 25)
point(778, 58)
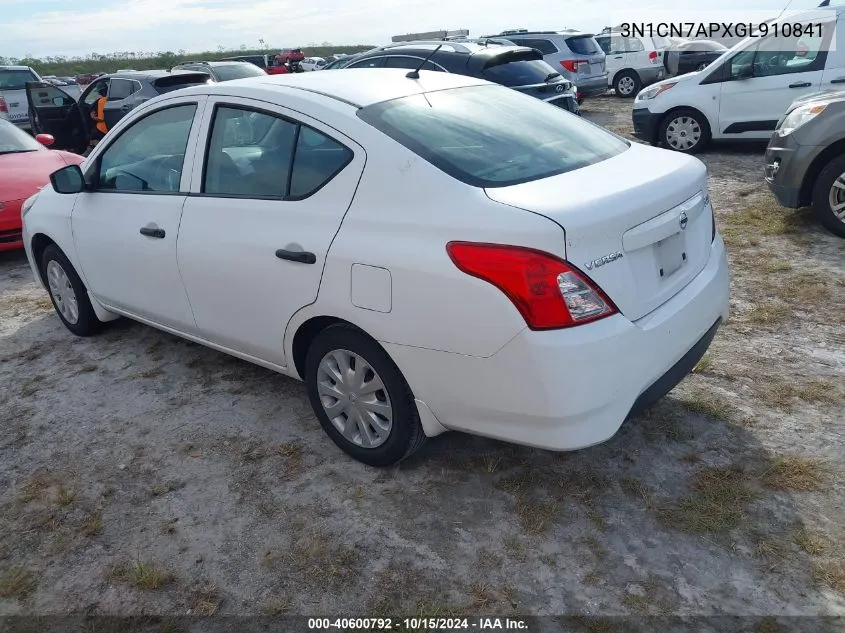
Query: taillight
point(653, 57)
point(572, 65)
point(548, 292)
point(3, 106)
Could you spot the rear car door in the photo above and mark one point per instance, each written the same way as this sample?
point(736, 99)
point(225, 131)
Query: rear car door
point(126, 224)
point(13, 89)
point(263, 211)
point(119, 102)
point(53, 111)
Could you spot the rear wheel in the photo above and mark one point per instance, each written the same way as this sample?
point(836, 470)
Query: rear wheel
point(829, 196)
point(685, 131)
point(361, 398)
point(68, 293)
point(627, 84)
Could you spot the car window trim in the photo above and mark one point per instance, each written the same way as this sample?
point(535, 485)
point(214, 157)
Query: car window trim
point(409, 56)
point(92, 176)
point(278, 115)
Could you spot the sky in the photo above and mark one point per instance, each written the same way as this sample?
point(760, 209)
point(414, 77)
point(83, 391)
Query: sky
point(44, 28)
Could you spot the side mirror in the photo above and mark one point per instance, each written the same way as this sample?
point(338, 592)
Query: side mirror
point(68, 180)
point(45, 139)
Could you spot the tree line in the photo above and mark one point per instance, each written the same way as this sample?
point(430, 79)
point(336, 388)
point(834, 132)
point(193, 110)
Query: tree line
point(147, 60)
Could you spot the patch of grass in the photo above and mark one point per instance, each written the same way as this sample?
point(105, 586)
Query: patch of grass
point(795, 473)
point(813, 544)
point(88, 368)
point(276, 606)
point(93, 524)
point(704, 365)
point(821, 391)
point(830, 573)
point(771, 266)
point(781, 394)
point(768, 548)
point(292, 452)
point(488, 559)
point(152, 372)
point(488, 463)
point(521, 483)
point(16, 582)
point(142, 575)
point(592, 578)
point(513, 548)
point(642, 598)
point(709, 405)
point(535, 517)
point(717, 503)
point(803, 290)
point(34, 488)
point(583, 485)
point(65, 497)
point(769, 313)
point(482, 595)
point(768, 625)
point(634, 487)
point(205, 600)
point(323, 562)
point(763, 217)
point(691, 458)
point(596, 548)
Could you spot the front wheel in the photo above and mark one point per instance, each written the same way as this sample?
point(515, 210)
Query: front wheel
point(361, 398)
point(68, 293)
point(627, 84)
point(829, 196)
point(685, 131)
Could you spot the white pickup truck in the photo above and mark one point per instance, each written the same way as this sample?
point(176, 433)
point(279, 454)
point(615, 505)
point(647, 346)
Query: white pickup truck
point(13, 103)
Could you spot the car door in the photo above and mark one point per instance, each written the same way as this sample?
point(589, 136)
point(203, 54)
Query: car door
point(257, 228)
point(615, 54)
point(761, 81)
point(126, 224)
point(53, 111)
point(118, 101)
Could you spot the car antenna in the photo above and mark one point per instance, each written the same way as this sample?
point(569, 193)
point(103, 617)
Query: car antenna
point(415, 74)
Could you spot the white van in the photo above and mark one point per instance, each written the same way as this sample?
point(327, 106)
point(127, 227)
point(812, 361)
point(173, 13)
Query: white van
point(744, 93)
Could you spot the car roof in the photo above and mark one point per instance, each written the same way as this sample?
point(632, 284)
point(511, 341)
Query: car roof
point(15, 68)
point(149, 74)
point(358, 87)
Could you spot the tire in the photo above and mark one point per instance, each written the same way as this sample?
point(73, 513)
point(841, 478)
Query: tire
point(827, 193)
point(680, 127)
point(627, 84)
point(68, 294)
point(392, 441)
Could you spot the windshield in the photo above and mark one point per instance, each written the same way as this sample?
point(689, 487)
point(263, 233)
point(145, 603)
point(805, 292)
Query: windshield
point(489, 136)
point(520, 73)
point(16, 79)
point(237, 71)
point(13, 140)
point(583, 45)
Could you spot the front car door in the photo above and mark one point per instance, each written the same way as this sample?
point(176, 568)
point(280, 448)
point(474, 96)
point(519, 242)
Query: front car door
point(126, 224)
point(53, 111)
point(257, 228)
point(615, 54)
point(760, 82)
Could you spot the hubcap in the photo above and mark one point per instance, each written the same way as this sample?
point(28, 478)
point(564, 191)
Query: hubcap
point(354, 398)
point(683, 132)
point(836, 198)
point(626, 85)
point(62, 292)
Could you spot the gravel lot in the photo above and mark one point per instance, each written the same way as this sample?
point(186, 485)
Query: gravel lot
point(142, 474)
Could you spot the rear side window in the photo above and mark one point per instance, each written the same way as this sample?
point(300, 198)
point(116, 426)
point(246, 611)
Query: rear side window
point(122, 88)
point(634, 45)
point(175, 82)
point(583, 44)
point(489, 136)
point(372, 62)
point(317, 160)
point(409, 62)
point(16, 79)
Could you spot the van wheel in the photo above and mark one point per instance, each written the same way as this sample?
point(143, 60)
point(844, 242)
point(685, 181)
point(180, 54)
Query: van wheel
point(685, 131)
point(68, 293)
point(361, 398)
point(627, 84)
point(829, 196)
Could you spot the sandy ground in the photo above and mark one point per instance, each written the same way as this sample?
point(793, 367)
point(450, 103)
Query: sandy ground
point(142, 474)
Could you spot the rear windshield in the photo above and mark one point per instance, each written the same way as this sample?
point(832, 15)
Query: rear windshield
point(520, 73)
point(583, 45)
point(490, 136)
point(16, 79)
point(229, 72)
point(175, 82)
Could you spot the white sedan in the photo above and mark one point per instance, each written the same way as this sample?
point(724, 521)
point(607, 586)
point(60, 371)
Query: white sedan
point(313, 63)
point(427, 253)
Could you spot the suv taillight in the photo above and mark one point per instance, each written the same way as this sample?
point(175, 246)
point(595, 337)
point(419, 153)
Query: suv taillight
point(653, 55)
point(573, 65)
point(3, 106)
point(548, 292)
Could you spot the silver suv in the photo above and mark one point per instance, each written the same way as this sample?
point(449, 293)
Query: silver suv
point(576, 55)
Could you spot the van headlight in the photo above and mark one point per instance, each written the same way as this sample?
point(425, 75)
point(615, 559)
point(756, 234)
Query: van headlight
point(799, 116)
point(651, 93)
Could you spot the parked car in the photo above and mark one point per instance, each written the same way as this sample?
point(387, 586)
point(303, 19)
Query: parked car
point(268, 63)
point(632, 62)
point(743, 94)
point(691, 56)
point(223, 71)
point(340, 62)
point(805, 159)
point(13, 81)
point(576, 55)
point(398, 214)
point(25, 167)
point(517, 67)
point(313, 63)
point(56, 112)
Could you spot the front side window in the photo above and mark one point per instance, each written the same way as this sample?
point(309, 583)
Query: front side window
point(489, 136)
point(260, 155)
point(781, 56)
point(148, 156)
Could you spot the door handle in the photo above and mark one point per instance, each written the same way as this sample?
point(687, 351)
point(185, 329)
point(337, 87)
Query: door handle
point(125, 108)
point(618, 57)
point(149, 232)
point(801, 84)
point(303, 257)
point(841, 80)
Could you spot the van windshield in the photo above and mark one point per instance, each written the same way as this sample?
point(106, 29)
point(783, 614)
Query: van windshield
point(490, 136)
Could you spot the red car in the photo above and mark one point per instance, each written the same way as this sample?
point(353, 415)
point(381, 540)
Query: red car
point(25, 167)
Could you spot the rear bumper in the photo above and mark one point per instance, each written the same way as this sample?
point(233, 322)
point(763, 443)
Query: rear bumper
point(572, 388)
point(591, 86)
point(645, 124)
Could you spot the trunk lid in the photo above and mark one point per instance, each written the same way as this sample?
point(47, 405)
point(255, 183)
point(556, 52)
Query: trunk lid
point(17, 104)
point(638, 224)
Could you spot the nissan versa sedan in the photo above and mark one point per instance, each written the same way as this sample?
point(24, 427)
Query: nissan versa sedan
point(426, 253)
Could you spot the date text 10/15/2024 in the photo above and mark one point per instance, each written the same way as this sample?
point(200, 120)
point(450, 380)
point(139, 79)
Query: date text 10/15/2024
point(417, 624)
